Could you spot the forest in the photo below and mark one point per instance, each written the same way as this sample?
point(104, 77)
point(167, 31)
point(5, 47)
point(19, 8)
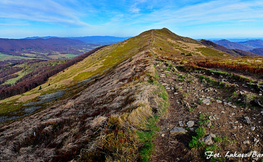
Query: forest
point(35, 78)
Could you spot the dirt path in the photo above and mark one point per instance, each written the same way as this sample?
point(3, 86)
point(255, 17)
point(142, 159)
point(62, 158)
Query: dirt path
point(186, 97)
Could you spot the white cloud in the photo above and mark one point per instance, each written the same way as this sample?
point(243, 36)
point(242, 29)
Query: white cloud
point(41, 11)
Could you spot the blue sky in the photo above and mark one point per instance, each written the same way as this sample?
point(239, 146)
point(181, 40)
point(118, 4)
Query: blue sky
point(192, 18)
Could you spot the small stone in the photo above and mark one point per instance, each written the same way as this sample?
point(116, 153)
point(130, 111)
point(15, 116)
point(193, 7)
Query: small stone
point(162, 75)
point(212, 118)
point(247, 120)
point(253, 128)
point(190, 124)
point(209, 124)
point(207, 140)
point(256, 141)
point(192, 129)
point(222, 112)
point(246, 142)
point(181, 123)
point(163, 135)
point(234, 127)
point(219, 101)
point(178, 130)
point(206, 101)
point(212, 135)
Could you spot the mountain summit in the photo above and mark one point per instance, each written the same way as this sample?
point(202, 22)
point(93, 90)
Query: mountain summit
point(157, 96)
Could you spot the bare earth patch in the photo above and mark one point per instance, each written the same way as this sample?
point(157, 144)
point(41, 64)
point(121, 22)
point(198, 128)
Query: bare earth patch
point(29, 97)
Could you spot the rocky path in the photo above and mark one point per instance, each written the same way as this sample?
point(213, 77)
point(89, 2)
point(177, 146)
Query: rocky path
point(228, 119)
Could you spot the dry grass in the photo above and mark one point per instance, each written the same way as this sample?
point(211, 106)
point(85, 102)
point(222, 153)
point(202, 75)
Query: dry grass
point(28, 97)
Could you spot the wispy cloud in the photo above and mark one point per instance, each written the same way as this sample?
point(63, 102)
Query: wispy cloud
point(214, 11)
point(41, 11)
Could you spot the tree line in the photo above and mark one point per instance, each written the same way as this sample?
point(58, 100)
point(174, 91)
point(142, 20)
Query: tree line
point(39, 77)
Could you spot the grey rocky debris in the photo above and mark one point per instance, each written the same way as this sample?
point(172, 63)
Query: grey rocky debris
point(181, 123)
point(208, 140)
point(246, 142)
point(176, 130)
point(205, 101)
point(247, 120)
point(219, 101)
point(190, 124)
point(209, 124)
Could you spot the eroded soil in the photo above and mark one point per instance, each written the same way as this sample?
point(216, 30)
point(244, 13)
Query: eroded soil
point(226, 111)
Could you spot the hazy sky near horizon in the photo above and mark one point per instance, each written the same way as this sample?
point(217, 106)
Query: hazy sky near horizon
point(191, 18)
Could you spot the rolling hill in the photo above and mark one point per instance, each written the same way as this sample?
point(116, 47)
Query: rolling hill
point(233, 45)
point(233, 52)
point(156, 96)
point(253, 43)
point(50, 48)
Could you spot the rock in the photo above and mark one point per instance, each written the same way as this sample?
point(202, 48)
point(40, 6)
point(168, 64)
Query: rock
point(190, 124)
point(163, 135)
point(167, 88)
point(248, 120)
point(219, 101)
point(181, 123)
point(206, 101)
point(176, 130)
point(212, 135)
point(222, 112)
point(256, 141)
point(187, 105)
point(257, 102)
point(192, 129)
point(162, 76)
point(249, 153)
point(207, 140)
point(246, 142)
point(209, 124)
point(212, 118)
point(253, 128)
point(175, 69)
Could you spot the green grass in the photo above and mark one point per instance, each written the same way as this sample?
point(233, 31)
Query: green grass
point(212, 52)
point(71, 55)
point(11, 57)
point(202, 122)
point(200, 132)
point(195, 143)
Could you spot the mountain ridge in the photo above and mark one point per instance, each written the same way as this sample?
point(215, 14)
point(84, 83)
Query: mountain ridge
point(128, 99)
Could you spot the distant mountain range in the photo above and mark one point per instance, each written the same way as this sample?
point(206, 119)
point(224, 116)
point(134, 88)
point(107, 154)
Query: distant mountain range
point(254, 46)
point(101, 40)
point(50, 47)
point(233, 52)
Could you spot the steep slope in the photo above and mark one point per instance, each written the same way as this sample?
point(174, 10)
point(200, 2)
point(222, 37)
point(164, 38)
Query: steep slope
point(106, 107)
point(233, 45)
point(167, 43)
point(218, 47)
